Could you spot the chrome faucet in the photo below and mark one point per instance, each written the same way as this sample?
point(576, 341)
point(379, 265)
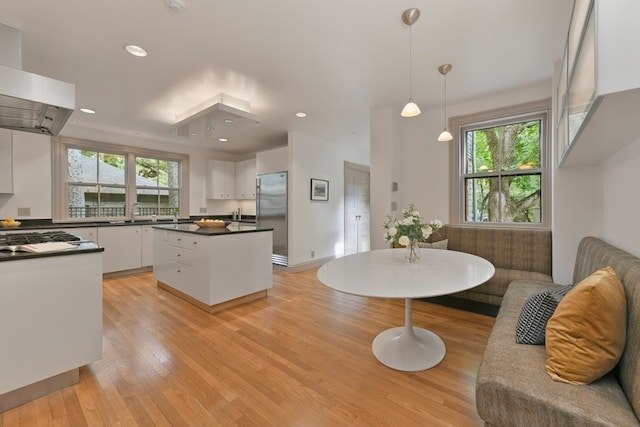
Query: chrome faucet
point(133, 212)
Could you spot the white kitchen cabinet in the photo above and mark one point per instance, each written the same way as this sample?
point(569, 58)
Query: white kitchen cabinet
point(87, 233)
point(50, 319)
point(6, 161)
point(146, 245)
point(246, 179)
point(598, 90)
point(122, 247)
point(220, 179)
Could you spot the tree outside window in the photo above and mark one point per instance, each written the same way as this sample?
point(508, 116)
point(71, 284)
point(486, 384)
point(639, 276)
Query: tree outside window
point(503, 170)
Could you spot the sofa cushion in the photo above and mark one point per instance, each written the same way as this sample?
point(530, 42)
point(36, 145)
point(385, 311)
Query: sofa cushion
point(513, 389)
point(535, 314)
point(586, 334)
point(513, 249)
point(441, 244)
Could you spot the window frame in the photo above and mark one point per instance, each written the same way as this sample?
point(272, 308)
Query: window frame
point(529, 111)
point(60, 192)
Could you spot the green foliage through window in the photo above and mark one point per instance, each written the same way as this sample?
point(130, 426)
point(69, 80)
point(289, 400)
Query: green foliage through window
point(503, 172)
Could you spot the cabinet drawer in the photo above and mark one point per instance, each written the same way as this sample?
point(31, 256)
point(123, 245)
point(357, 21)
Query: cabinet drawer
point(186, 279)
point(182, 255)
point(183, 240)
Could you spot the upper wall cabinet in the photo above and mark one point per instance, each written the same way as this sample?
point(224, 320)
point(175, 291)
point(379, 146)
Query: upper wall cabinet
point(598, 91)
point(246, 179)
point(6, 161)
point(220, 179)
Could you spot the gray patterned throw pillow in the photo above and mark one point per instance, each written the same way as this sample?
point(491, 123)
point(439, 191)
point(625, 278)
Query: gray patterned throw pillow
point(535, 314)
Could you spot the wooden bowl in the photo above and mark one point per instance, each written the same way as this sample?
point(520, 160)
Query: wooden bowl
point(212, 224)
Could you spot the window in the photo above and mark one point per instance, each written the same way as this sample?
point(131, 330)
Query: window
point(502, 167)
point(101, 181)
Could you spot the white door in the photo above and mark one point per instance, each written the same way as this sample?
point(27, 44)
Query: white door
point(356, 208)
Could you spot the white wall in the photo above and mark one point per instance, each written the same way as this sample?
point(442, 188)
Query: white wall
point(381, 172)
point(576, 206)
point(621, 199)
point(316, 226)
point(269, 161)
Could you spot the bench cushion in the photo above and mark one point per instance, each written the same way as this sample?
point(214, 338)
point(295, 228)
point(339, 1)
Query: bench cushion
point(513, 388)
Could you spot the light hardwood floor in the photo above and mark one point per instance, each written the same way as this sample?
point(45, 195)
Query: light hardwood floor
point(300, 357)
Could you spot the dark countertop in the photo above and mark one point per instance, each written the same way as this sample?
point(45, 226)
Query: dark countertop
point(48, 224)
point(80, 248)
point(232, 228)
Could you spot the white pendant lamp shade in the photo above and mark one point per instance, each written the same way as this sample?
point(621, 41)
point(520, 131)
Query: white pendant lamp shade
point(410, 110)
point(445, 136)
point(409, 17)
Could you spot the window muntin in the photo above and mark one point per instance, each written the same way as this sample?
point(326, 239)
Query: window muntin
point(102, 181)
point(503, 172)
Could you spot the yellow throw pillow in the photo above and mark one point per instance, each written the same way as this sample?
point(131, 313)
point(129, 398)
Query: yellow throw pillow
point(586, 334)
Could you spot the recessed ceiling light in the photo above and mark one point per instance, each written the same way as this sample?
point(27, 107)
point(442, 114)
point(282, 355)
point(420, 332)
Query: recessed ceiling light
point(88, 110)
point(301, 114)
point(223, 139)
point(228, 121)
point(135, 50)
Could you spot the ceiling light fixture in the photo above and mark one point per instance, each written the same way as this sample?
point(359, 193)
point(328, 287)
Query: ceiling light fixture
point(175, 6)
point(219, 116)
point(135, 50)
point(445, 136)
point(301, 114)
point(409, 17)
point(88, 110)
point(223, 139)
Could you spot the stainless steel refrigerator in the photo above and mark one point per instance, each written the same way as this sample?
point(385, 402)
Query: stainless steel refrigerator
point(271, 212)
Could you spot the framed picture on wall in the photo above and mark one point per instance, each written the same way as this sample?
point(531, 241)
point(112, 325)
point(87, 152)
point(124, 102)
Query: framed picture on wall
point(319, 189)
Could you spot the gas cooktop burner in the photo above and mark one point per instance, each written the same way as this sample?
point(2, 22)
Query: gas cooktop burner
point(13, 239)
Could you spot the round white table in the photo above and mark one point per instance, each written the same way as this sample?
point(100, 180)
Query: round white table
point(385, 273)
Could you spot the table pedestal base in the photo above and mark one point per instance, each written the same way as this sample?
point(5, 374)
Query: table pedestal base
point(407, 348)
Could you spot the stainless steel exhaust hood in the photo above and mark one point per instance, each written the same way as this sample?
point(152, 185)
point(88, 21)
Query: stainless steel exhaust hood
point(30, 102)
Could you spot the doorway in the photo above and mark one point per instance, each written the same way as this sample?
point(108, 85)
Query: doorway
point(356, 208)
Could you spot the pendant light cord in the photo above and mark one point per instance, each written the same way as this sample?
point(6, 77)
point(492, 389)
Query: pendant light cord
point(445, 102)
point(411, 63)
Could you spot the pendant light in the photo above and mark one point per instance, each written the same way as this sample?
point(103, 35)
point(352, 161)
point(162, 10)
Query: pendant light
point(445, 136)
point(410, 16)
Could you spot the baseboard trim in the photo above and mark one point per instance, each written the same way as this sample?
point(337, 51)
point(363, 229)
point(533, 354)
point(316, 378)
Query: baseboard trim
point(211, 309)
point(308, 265)
point(15, 398)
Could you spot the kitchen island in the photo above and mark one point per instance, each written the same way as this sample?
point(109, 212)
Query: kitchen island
point(50, 314)
point(213, 268)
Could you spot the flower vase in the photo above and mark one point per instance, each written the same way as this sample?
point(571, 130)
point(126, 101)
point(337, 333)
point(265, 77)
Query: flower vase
point(412, 251)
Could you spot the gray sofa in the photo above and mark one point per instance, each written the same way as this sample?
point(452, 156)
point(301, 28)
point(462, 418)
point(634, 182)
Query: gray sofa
point(515, 253)
point(513, 388)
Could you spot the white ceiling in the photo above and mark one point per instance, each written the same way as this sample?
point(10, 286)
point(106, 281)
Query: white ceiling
point(334, 59)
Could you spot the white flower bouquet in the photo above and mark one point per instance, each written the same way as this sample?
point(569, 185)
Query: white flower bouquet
point(409, 230)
